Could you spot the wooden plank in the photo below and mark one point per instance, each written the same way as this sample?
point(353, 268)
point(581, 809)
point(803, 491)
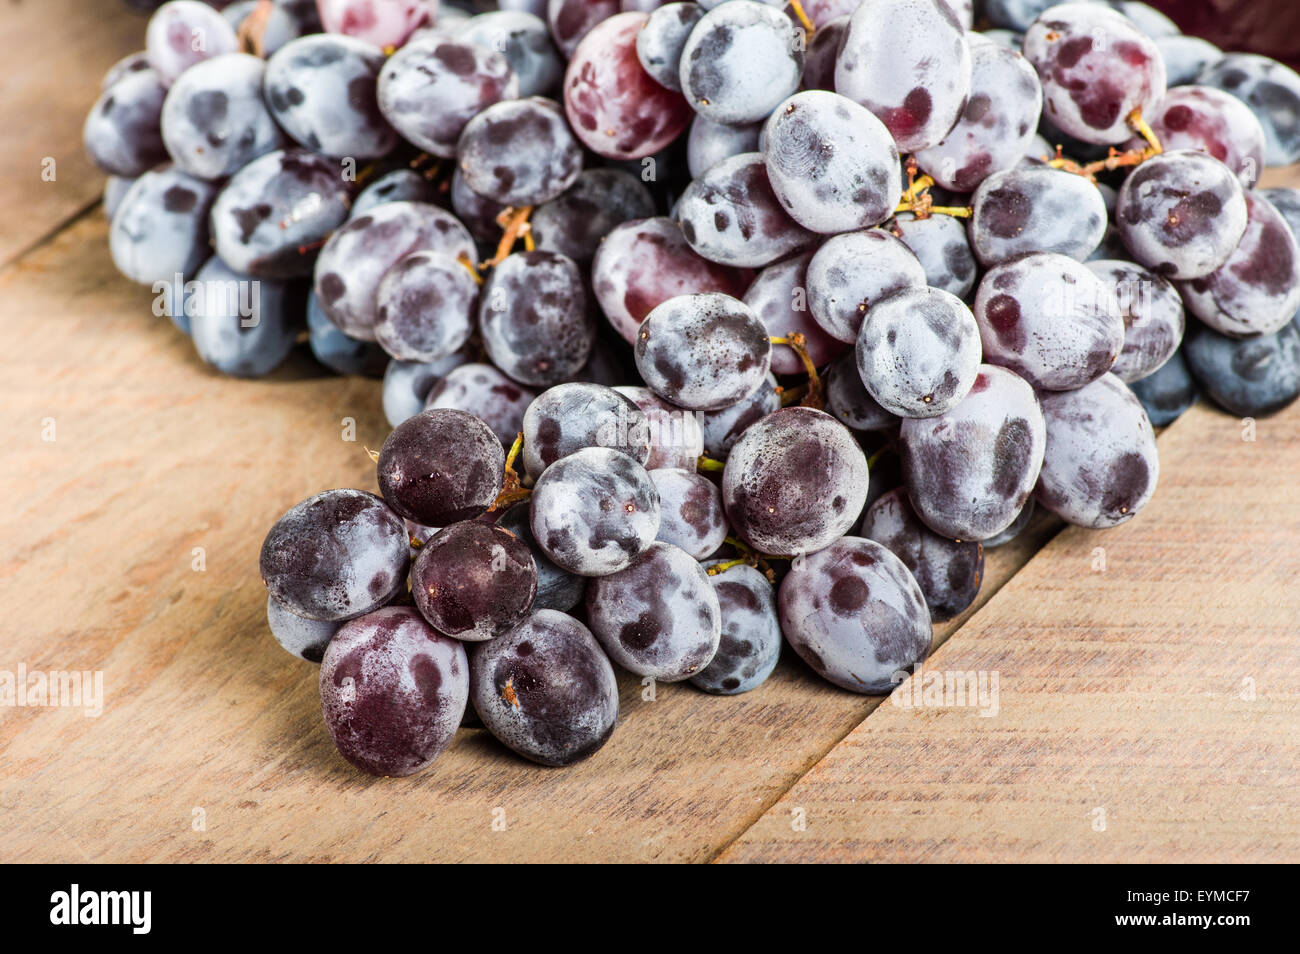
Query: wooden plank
point(55, 54)
point(155, 456)
point(1155, 699)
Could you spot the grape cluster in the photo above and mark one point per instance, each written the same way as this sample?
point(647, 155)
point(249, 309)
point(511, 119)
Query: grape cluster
point(703, 327)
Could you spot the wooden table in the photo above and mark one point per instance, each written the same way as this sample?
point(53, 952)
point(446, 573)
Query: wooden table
point(1148, 706)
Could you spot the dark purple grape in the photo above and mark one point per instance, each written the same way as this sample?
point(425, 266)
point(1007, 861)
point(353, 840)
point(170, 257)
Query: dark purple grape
point(485, 392)
point(160, 229)
point(739, 61)
point(574, 415)
point(275, 212)
point(702, 352)
point(970, 471)
point(477, 213)
point(571, 20)
point(131, 63)
point(441, 466)
point(519, 152)
point(848, 401)
point(1181, 214)
point(1167, 392)
point(1186, 57)
point(730, 214)
point(1050, 320)
point(1035, 208)
point(183, 33)
point(432, 87)
point(335, 556)
point(545, 689)
point(1100, 466)
point(383, 23)
point(794, 482)
point(402, 185)
point(425, 305)
point(297, 635)
point(337, 351)
point(408, 383)
point(1249, 377)
point(393, 691)
point(1017, 527)
point(658, 616)
point(121, 134)
point(855, 615)
point(660, 42)
point(1096, 67)
point(1257, 290)
point(750, 644)
point(577, 222)
point(915, 75)
point(242, 326)
point(557, 589)
point(690, 512)
point(823, 50)
point(594, 511)
point(1152, 313)
point(675, 436)
point(831, 163)
point(779, 297)
point(474, 581)
point(1208, 119)
point(941, 246)
point(948, 571)
point(526, 43)
point(723, 428)
point(1271, 90)
point(919, 352)
point(852, 272)
point(708, 143)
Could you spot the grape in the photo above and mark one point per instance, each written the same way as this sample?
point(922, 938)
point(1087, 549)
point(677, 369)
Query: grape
point(121, 134)
point(1148, 19)
point(131, 63)
point(1181, 214)
point(183, 33)
point(1152, 313)
point(1096, 67)
point(1100, 466)
point(571, 20)
point(723, 428)
point(1035, 208)
point(1287, 203)
point(321, 90)
point(708, 143)
point(594, 511)
point(1015, 14)
point(690, 512)
point(1168, 391)
point(1017, 527)
point(284, 22)
point(599, 199)
point(393, 691)
point(276, 211)
point(214, 121)
point(823, 49)
point(485, 392)
point(242, 326)
point(676, 438)
point(941, 246)
point(848, 401)
point(379, 22)
point(400, 185)
point(659, 615)
point(1186, 57)
point(778, 296)
point(425, 305)
point(430, 88)
point(1007, 39)
point(526, 43)
point(750, 644)
point(914, 75)
point(358, 255)
point(820, 12)
point(855, 615)
point(996, 124)
point(702, 352)
point(613, 105)
point(115, 190)
point(441, 466)
point(1257, 290)
point(534, 320)
point(831, 163)
point(336, 350)
point(948, 571)
point(886, 470)
point(519, 152)
point(576, 415)
point(1249, 377)
point(1204, 118)
point(643, 263)
point(408, 383)
point(536, 7)
point(160, 229)
point(545, 689)
point(660, 42)
point(730, 214)
point(794, 482)
point(557, 589)
point(739, 61)
point(1272, 91)
point(335, 556)
point(919, 352)
point(970, 471)
point(304, 638)
point(474, 581)
point(852, 272)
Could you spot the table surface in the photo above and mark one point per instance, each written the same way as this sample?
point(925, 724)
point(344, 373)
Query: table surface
point(1147, 704)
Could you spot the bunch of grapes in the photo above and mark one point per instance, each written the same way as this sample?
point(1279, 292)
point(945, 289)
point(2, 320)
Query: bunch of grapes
point(704, 328)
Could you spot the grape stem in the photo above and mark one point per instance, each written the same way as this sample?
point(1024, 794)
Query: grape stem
point(750, 557)
point(514, 222)
point(470, 267)
point(252, 32)
point(511, 491)
point(709, 464)
point(1116, 159)
point(797, 343)
point(803, 17)
point(916, 197)
point(727, 565)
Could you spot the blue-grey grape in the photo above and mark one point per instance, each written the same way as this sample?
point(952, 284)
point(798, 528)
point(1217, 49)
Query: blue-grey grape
point(750, 644)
